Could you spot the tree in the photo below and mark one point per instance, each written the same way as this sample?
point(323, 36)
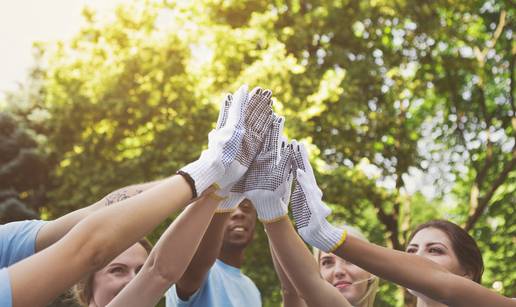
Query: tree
point(22, 173)
point(386, 93)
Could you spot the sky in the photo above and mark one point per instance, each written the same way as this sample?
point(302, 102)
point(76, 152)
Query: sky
point(23, 22)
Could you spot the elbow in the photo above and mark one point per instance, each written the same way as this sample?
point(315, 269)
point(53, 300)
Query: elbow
point(163, 272)
point(94, 249)
point(95, 253)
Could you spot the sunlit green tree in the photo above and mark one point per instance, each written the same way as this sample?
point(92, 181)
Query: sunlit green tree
point(407, 106)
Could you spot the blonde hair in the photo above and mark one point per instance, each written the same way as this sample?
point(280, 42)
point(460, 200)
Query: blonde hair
point(368, 298)
point(83, 290)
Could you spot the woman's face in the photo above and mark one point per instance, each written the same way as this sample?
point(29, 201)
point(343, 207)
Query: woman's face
point(435, 245)
point(342, 274)
point(111, 279)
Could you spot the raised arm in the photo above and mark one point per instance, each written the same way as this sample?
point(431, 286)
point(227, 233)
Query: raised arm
point(204, 258)
point(257, 126)
point(54, 230)
point(419, 274)
point(410, 271)
point(267, 185)
point(288, 292)
point(104, 234)
point(300, 266)
point(170, 257)
point(94, 241)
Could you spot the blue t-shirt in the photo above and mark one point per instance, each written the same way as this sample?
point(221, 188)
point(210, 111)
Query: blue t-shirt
point(225, 286)
point(17, 241)
point(6, 299)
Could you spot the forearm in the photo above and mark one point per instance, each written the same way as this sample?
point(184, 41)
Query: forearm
point(52, 231)
point(95, 241)
point(178, 245)
point(170, 256)
point(419, 274)
point(300, 266)
point(414, 272)
point(288, 292)
point(204, 258)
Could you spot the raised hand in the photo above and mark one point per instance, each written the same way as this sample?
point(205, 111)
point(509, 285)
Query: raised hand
point(308, 209)
point(268, 182)
point(242, 123)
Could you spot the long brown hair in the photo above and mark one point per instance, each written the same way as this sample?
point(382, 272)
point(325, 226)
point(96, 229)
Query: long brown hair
point(83, 290)
point(463, 245)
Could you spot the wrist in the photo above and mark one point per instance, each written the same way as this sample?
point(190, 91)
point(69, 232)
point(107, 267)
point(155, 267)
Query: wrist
point(203, 172)
point(230, 203)
point(269, 208)
point(325, 236)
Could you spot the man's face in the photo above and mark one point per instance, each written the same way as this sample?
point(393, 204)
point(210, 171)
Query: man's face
point(239, 230)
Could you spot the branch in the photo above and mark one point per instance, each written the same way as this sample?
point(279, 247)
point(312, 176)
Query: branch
point(511, 89)
point(499, 29)
point(481, 55)
point(479, 179)
point(389, 221)
point(484, 200)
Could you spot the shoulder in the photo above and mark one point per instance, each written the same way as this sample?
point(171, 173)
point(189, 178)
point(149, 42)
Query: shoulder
point(14, 228)
point(251, 285)
point(5, 289)
point(17, 240)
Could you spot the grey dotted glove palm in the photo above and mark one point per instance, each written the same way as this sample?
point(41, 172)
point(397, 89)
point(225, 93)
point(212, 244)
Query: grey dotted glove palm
point(267, 183)
point(242, 123)
point(308, 209)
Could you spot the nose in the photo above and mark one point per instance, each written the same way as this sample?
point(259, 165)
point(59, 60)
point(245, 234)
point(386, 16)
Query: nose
point(340, 269)
point(128, 277)
point(238, 214)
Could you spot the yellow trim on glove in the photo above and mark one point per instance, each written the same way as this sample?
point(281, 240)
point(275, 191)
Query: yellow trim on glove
point(341, 241)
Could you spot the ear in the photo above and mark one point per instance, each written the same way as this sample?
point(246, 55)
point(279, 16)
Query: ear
point(468, 275)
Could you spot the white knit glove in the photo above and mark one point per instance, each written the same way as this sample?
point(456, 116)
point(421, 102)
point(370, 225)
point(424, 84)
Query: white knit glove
point(308, 209)
point(233, 144)
point(267, 183)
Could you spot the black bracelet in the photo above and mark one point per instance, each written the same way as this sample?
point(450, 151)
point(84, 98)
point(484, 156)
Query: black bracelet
point(190, 181)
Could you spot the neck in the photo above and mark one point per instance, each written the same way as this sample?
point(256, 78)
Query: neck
point(428, 303)
point(363, 304)
point(233, 257)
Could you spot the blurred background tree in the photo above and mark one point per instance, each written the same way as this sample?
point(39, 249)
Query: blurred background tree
point(408, 107)
point(22, 172)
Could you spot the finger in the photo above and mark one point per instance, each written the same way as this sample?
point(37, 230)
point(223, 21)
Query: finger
point(269, 137)
point(224, 109)
point(238, 107)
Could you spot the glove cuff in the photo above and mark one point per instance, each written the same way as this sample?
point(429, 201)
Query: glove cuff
point(230, 203)
point(269, 209)
point(203, 172)
point(325, 236)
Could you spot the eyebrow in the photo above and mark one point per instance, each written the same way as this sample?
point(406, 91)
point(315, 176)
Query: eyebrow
point(116, 264)
point(429, 244)
point(246, 206)
point(326, 257)
point(436, 243)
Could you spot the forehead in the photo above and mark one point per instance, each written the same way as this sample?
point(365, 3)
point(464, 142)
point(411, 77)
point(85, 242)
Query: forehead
point(245, 207)
point(246, 204)
point(134, 255)
point(431, 234)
